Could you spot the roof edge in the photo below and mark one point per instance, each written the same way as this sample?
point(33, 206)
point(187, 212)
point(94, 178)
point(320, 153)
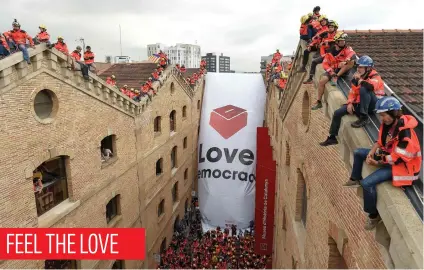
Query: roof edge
point(385, 31)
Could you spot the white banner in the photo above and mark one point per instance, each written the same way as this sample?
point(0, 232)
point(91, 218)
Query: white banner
point(232, 109)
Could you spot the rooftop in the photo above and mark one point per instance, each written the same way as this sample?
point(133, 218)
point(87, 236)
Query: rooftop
point(398, 57)
point(131, 74)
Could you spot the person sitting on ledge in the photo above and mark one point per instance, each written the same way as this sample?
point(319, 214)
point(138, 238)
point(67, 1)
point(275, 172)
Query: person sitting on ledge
point(336, 63)
point(18, 39)
point(4, 47)
point(43, 36)
point(183, 69)
point(397, 153)
point(61, 45)
point(367, 87)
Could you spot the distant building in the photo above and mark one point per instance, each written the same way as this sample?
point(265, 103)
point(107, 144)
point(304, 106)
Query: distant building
point(212, 65)
point(224, 64)
point(183, 54)
point(264, 61)
point(211, 62)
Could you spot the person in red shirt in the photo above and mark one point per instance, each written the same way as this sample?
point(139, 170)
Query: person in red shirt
point(76, 58)
point(61, 45)
point(89, 58)
point(18, 38)
point(42, 36)
point(124, 89)
point(155, 75)
point(4, 47)
point(183, 69)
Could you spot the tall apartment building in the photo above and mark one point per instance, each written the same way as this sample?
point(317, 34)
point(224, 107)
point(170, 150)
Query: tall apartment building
point(212, 64)
point(148, 181)
point(183, 54)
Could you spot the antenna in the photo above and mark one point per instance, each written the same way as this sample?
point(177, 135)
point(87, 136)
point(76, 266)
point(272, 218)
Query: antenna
point(120, 39)
point(83, 43)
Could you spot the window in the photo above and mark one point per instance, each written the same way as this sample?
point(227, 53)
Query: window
point(287, 154)
point(198, 105)
point(335, 259)
point(175, 192)
point(176, 224)
point(60, 264)
point(172, 88)
point(284, 219)
point(186, 174)
point(186, 206)
point(161, 208)
point(163, 246)
point(301, 198)
point(159, 166)
point(306, 108)
point(294, 263)
point(185, 143)
point(108, 148)
point(174, 157)
point(157, 124)
point(184, 111)
point(172, 122)
point(45, 104)
point(50, 183)
point(119, 264)
point(112, 208)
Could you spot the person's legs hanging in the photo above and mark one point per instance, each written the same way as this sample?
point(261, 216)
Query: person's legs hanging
point(335, 126)
point(314, 64)
point(359, 156)
point(366, 106)
point(25, 53)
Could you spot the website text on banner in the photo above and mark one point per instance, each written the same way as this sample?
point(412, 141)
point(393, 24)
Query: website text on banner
point(265, 194)
point(72, 243)
point(233, 106)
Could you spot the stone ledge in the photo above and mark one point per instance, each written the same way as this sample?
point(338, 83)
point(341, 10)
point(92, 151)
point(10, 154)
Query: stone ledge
point(402, 222)
point(55, 214)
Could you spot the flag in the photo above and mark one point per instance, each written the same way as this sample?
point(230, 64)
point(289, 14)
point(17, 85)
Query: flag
point(154, 58)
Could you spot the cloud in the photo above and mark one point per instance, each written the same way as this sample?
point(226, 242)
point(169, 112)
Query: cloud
point(243, 30)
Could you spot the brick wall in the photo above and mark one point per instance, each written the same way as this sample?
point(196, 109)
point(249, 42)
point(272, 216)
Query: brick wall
point(81, 122)
point(329, 206)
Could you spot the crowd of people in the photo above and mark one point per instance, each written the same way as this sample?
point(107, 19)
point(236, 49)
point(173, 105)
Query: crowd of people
point(397, 152)
point(192, 80)
point(227, 248)
point(275, 70)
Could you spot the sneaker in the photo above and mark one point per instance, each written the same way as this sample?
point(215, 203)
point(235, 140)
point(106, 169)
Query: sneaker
point(351, 184)
point(302, 69)
point(371, 223)
point(329, 141)
point(309, 81)
point(317, 106)
point(29, 63)
point(361, 122)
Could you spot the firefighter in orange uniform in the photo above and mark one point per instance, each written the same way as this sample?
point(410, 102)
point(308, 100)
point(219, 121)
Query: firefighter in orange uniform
point(183, 69)
point(18, 38)
point(89, 58)
point(61, 45)
point(76, 57)
point(397, 153)
point(42, 36)
point(4, 47)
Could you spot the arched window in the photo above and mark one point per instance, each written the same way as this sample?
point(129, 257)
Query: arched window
point(157, 124)
point(186, 174)
point(174, 157)
point(159, 166)
point(175, 192)
point(113, 208)
point(185, 143)
point(172, 121)
point(161, 208)
point(163, 245)
point(176, 223)
point(184, 111)
point(50, 183)
point(335, 259)
point(198, 104)
point(302, 199)
point(172, 87)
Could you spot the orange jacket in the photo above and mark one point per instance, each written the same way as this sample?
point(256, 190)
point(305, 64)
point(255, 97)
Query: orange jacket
point(155, 75)
point(316, 40)
point(162, 61)
point(76, 55)
point(303, 29)
point(278, 69)
point(89, 57)
point(282, 83)
point(373, 83)
point(324, 47)
point(4, 43)
point(290, 65)
point(61, 46)
point(277, 56)
point(316, 24)
point(110, 81)
point(183, 69)
point(43, 36)
point(124, 91)
point(331, 62)
point(406, 162)
point(19, 37)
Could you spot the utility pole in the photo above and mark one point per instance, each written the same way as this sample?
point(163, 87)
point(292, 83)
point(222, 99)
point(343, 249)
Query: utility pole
point(120, 39)
point(83, 43)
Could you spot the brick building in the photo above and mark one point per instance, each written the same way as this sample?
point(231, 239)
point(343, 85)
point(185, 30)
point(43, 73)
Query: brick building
point(52, 117)
point(318, 223)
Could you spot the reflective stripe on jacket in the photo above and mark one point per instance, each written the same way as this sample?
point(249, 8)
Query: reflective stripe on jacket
point(373, 83)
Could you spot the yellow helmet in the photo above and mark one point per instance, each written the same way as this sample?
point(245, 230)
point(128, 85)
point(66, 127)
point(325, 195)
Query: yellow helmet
point(303, 19)
point(113, 76)
point(340, 36)
point(284, 75)
point(333, 23)
point(310, 14)
point(42, 26)
point(59, 37)
point(323, 17)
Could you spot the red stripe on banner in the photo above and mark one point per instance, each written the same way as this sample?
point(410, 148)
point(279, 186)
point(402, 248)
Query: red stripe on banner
point(265, 194)
point(72, 243)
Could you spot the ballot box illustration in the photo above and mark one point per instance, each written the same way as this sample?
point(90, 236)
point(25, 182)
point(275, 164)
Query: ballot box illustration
point(228, 120)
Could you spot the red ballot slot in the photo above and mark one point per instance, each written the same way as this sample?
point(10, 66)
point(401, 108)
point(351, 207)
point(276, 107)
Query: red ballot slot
point(75, 243)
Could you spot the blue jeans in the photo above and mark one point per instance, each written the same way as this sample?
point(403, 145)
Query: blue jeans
point(370, 182)
point(24, 50)
point(3, 50)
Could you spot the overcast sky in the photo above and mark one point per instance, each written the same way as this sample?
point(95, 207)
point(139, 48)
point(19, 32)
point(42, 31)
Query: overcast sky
point(243, 30)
